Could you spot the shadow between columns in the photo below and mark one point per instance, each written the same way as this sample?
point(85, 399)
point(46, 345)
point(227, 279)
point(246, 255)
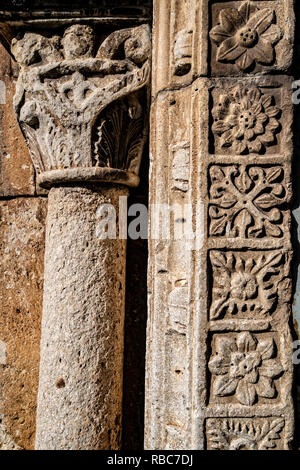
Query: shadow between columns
point(135, 325)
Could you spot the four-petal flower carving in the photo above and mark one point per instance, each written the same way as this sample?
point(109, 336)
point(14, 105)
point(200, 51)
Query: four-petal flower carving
point(246, 36)
point(245, 201)
point(245, 367)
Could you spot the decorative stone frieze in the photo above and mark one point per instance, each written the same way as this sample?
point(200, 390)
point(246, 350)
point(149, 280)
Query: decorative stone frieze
point(81, 101)
point(219, 358)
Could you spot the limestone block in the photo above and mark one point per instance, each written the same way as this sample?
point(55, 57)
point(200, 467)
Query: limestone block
point(167, 369)
point(251, 37)
point(22, 259)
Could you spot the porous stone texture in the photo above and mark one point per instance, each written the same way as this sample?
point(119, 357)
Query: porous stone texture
point(206, 37)
point(16, 168)
point(22, 222)
point(81, 107)
point(80, 386)
point(219, 352)
point(251, 37)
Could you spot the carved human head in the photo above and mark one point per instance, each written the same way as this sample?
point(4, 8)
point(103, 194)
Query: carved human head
point(78, 42)
point(35, 49)
point(137, 46)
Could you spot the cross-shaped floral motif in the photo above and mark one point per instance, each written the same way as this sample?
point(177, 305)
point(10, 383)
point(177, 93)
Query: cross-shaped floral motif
point(248, 201)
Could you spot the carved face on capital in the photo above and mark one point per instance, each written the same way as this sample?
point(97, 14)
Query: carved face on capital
point(78, 42)
point(34, 48)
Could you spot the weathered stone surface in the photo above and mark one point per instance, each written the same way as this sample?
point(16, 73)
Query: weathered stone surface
point(80, 386)
point(80, 106)
point(248, 36)
point(16, 168)
point(206, 37)
point(135, 325)
point(22, 259)
point(180, 50)
point(167, 398)
point(219, 353)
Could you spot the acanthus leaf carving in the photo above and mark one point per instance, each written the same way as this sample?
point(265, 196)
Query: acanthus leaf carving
point(71, 98)
point(244, 433)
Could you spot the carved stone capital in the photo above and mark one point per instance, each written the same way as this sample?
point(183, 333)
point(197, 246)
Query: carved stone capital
point(81, 102)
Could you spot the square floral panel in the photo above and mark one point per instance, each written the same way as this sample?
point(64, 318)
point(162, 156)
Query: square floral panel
point(248, 284)
point(250, 118)
point(245, 433)
point(250, 36)
point(245, 368)
point(249, 201)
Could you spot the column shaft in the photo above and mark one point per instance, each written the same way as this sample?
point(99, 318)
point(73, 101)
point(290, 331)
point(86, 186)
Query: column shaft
point(80, 389)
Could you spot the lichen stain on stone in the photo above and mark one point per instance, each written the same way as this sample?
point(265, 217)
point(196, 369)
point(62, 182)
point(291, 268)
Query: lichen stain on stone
point(6, 441)
point(2, 353)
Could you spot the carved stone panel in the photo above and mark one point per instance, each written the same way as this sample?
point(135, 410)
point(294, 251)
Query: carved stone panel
point(252, 285)
point(245, 369)
point(245, 434)
point(249, 201)
point(250, 36)
point(249, 119)
point(236, 364)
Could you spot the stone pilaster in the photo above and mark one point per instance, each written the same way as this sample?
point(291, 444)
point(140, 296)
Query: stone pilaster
point(81, 101)
point(219, 359)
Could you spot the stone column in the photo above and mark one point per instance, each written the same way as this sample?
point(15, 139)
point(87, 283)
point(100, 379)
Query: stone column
point(80, 386)
point(219, 353)
point(81, 102)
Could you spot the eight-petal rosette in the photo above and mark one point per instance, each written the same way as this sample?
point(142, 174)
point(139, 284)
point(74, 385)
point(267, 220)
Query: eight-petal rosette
point(246, 36)
point(246, 120)
point(245, 367)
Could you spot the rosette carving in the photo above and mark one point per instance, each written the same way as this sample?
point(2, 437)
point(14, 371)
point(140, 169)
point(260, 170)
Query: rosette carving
point(246, 36)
